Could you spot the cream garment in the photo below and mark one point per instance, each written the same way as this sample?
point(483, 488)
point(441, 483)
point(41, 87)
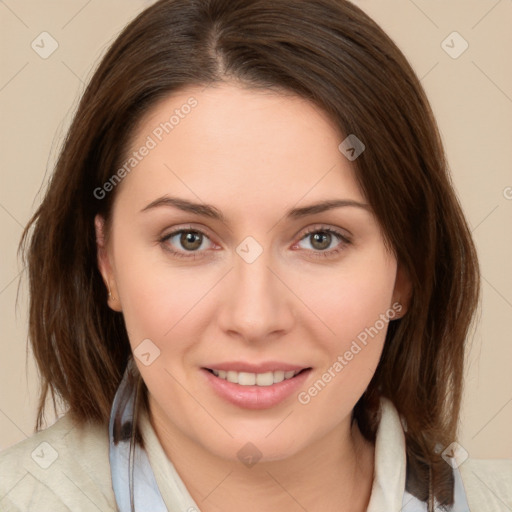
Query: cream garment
point(66, 468)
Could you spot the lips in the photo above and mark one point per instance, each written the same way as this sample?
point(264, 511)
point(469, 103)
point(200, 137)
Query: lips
point(266, 366)
point(255, 386)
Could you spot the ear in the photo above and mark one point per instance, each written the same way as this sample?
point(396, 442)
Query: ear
point(403, 290)
point(104, 264)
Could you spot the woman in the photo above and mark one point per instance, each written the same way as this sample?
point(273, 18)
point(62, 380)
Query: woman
point(251, 277)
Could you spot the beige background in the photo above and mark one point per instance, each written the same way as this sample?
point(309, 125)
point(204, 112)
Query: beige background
point(471, 96)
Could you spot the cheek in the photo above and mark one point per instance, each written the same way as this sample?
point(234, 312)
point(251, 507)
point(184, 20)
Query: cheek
point(161, 309)
point(362, 302)
point(355, 309)
point(351, 298)
point(157, 298)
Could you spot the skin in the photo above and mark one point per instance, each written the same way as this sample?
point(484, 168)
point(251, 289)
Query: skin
point(253, 155)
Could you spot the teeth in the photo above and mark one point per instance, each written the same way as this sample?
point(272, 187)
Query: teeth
point(264, 379)
point(279, 376)
point(232, 377)
point(252, 379)
point(247, 379)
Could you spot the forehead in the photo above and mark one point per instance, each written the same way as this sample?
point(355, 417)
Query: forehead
point(227, 144)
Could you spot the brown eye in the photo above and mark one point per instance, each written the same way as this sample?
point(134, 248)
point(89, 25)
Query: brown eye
point(325, 242)
point(321, 240)
point(191, 240)
point(186, 243)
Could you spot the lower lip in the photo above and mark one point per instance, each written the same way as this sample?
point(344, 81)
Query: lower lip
point(256, 397)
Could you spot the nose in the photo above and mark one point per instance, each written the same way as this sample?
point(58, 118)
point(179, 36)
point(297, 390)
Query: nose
point(258, 306)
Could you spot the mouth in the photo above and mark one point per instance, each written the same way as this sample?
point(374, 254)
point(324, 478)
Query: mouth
point(263, 389)
point(256, 379)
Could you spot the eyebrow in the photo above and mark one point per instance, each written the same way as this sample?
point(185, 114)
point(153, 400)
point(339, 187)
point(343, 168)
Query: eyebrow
point(207, 210)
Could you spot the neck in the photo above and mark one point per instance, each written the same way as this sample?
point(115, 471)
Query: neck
point(335, 473)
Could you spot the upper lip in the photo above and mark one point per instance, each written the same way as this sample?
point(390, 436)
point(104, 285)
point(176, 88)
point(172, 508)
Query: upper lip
point(263, 367)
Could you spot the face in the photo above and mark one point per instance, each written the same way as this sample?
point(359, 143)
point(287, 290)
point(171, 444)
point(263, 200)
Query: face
point(246, 307)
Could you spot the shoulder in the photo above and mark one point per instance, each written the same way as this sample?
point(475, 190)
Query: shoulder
point(488, 484)
point(64, 467)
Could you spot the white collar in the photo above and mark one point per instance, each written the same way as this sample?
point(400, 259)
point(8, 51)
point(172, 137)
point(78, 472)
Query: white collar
point(388, 490)
point(390, 462)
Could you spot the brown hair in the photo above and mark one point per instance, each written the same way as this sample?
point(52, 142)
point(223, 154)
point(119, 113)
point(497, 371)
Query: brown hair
point(333, 54)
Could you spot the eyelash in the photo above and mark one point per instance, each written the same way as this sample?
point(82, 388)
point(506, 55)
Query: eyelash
point(344, 241)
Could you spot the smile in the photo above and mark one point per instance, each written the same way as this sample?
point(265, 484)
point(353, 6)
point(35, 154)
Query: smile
point(261, 389)
point(255, 379)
